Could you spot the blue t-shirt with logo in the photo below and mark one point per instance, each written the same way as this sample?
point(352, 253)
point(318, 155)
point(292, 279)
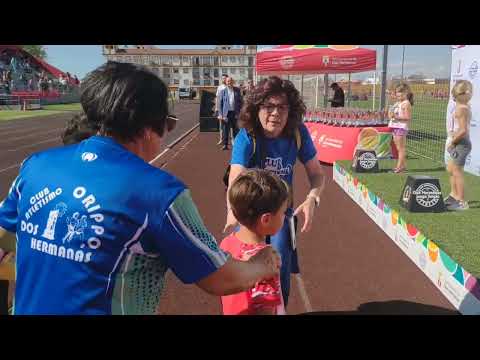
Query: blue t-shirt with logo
point(280, 153)
point(80, 212)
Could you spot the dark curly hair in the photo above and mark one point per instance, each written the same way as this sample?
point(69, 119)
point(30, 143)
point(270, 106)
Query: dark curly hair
point(78, 128)
point(272, 86)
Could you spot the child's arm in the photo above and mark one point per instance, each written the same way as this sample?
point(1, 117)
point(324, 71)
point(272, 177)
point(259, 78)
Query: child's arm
point(461, 115)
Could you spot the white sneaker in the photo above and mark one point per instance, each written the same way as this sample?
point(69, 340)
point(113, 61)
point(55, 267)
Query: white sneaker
point(458, 206)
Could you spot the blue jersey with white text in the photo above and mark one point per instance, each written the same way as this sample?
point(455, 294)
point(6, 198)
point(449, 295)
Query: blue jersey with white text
point(82, 212)
point(280, 153)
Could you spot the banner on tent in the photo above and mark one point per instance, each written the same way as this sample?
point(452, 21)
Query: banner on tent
point(465, 66)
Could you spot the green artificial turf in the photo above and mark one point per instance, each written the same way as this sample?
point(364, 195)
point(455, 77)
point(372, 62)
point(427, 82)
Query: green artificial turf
point(46, 110)
point(456, 233)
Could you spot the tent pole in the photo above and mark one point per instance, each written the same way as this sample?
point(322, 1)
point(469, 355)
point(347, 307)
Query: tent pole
point(316, 93)
point(384, 77)
point(301, 87)
point(374, 88)
point(325, 90)
point(349, 89)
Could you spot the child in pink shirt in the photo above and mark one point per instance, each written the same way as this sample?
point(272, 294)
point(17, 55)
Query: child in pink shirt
point(259, 200)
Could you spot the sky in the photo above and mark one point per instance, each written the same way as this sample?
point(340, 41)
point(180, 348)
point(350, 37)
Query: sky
point(431, 60)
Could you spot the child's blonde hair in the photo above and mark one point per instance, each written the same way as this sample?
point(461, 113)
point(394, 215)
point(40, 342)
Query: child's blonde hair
point(405, 88)
point(462, 90)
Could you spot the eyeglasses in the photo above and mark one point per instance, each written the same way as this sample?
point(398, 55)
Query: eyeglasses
point(271, 107)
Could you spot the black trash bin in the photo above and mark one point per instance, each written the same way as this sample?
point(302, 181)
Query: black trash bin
point(208, 116)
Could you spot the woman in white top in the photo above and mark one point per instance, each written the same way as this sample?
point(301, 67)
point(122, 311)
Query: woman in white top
point(400, 116)
point(458, 144)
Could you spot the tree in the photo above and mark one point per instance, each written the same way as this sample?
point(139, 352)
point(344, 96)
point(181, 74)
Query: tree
point(36, 50)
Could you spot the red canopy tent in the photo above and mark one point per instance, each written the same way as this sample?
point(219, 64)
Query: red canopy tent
point(37, 61)
point(315, 59)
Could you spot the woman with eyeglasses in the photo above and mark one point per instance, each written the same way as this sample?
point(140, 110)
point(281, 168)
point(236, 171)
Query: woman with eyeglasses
point(272, 137)
point(89, 216)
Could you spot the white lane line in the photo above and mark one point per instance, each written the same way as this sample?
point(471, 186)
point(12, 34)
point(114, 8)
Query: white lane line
point(10, 167)
point(303, 293)
point(27, 136)
point(169, 146)
point(180, 150)
point(38, 143)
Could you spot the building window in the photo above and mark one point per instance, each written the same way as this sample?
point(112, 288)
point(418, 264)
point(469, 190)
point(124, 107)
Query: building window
point(224, 71)
point(242, 71)
point(175, 70)
point(216, 82)
point(224, 59)
point(250, 61)
point(233, 71)
point(176, 59)
point(206, 73)
point(186, 82)
point(186, 70)
point(216, 73)
point(215, 61)
point(196, 82)
point(196, 61)
point(232, 59)
point(176, 81)
point(207, 82)
point(196, 73)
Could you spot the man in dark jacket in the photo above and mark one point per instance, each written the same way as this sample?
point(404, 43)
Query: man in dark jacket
point(338, 96)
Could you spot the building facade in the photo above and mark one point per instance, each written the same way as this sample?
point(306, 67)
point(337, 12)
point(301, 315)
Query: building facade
point(190, 68)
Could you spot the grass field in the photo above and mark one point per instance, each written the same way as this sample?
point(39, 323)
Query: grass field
point(47, 110)
point(454, 232)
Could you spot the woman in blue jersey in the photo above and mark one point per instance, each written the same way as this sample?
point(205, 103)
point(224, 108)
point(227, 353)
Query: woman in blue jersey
point(273, 137)
point(81, 213)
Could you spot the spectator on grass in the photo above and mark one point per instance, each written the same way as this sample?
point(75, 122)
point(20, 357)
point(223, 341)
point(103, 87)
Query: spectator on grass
point(99, 221)
point(272, 137)
point(400, 117)
point(459, 144)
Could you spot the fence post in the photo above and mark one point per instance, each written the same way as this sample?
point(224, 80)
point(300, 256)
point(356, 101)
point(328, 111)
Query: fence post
point(325, 90)
point(349, 89)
